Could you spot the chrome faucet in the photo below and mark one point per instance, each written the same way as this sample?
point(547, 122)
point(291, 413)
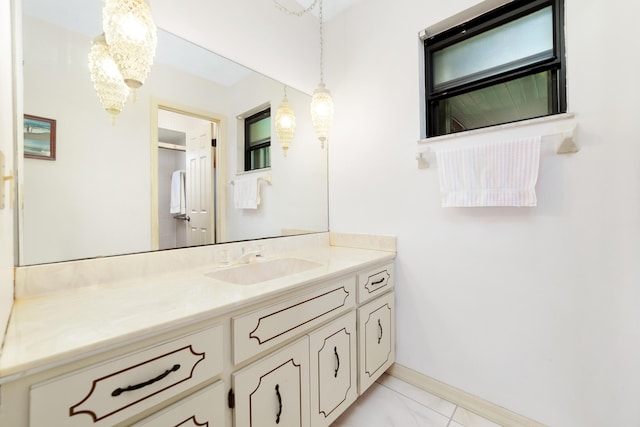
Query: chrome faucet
point(249, 256)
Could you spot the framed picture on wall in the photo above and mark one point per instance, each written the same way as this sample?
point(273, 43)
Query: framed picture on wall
point(39, 138)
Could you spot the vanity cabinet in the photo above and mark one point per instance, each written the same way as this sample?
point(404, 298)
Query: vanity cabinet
point(202, 408)
point(275, 390)
point(333, 367)
point(314, 380)
point(266, 327)
point(376, 339)
point(296, 359)
point(111, 392)
point(375, 282)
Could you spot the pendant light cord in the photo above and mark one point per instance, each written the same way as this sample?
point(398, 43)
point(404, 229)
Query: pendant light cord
point(321, 47)
point(291, 12)
point(282, 8)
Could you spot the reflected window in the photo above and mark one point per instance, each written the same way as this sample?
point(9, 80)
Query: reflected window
point(504, 66)
point(257, 140)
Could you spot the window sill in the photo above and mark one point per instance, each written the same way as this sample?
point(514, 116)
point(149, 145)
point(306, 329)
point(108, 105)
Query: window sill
point(499, 128)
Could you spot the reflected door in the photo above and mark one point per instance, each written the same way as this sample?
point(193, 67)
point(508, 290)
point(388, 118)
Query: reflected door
point(199, 184)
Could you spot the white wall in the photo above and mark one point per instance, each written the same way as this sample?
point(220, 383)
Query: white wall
point(535, 309)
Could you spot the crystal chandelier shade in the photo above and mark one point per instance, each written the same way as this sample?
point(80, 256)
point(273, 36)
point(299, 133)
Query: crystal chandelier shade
point(321, 102)
point(106, 77)
point(285, 124)
point(322, 112)
point(132, 37)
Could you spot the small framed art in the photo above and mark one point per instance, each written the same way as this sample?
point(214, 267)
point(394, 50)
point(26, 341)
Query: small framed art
point(39, 138)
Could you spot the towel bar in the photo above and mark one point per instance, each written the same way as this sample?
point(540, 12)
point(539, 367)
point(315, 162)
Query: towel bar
point(565, 141)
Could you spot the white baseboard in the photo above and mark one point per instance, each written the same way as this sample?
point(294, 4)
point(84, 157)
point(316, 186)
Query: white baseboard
point(461, 398)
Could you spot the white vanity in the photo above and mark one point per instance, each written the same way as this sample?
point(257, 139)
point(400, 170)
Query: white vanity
point(205, 345)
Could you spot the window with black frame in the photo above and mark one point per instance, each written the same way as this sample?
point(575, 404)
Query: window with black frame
point(504, 66)
point(257, 140)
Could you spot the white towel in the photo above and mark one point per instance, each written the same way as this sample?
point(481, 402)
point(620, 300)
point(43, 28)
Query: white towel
point(178, 193)
point(490, 174)
point(246, 194)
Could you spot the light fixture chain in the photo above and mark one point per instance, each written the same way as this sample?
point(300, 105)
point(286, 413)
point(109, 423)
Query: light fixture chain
point(291, 12)
point(321, 47)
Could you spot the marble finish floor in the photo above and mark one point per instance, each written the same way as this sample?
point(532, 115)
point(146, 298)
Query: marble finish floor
point(393, 403)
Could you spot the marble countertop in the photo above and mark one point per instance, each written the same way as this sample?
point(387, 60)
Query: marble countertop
point(49, 330)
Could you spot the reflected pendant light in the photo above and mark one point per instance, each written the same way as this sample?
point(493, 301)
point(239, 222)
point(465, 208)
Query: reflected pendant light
point(132, 37)
point(285, 123)
point(106, 77)
point(321, 101)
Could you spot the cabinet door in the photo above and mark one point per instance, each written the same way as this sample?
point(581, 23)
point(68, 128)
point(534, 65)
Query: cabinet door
point(274, 391)
point(332, 360)
point(203, 408)
point(376, 339)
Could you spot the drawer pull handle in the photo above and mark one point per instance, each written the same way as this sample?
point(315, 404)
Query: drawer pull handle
point(377, 282)
point(119, 391)
point(335, 351)
point(279, 404)
point(380, 330)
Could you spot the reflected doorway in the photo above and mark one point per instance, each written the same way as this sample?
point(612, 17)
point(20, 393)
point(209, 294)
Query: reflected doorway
point(185, 206)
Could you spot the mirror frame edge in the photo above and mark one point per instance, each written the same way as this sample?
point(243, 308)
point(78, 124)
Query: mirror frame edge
point(18, 148)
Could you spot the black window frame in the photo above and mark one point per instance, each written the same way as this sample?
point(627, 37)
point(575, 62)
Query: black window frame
point(248, 149)
point(492, 19)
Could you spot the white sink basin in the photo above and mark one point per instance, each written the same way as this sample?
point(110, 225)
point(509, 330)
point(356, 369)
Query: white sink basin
point(261, 271)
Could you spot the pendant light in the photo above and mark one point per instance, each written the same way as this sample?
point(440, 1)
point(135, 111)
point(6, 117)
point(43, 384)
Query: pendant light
point(132, 37)
point(106, 77)
point(321, 101)
point(285, 123)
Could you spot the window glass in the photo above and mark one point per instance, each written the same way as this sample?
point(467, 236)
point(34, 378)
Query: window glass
point(257, 140)
point(260, 131)
point(519, 99)
point(520, 42)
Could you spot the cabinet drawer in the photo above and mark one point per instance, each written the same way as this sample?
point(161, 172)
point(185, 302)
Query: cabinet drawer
point(274, 391)
point(375, 282)
point(376, 339)
point(333, 368)
point(203, 408)
point(113, 391)
point(266, 327)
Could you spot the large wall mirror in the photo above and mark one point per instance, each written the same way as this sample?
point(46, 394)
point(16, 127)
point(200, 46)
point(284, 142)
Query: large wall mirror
point(108, 191)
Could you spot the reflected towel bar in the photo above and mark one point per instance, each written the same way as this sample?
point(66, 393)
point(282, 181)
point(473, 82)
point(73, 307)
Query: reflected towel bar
point(565, 141)
point(266, 178)
point(184, 217)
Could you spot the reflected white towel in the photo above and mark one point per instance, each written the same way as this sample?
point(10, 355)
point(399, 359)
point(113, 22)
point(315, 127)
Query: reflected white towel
point(178, 193)
point(246, 194)
point(490, 174)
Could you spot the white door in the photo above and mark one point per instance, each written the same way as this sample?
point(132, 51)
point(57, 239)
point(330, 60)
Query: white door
point(199, 184)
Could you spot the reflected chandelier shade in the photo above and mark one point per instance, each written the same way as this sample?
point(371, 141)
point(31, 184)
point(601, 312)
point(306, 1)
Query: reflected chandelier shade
point(321, 102)
point(106, 77)
point(285, 123)
point(132, 38)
